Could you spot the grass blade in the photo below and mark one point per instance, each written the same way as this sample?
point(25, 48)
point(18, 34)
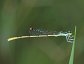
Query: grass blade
point(71, 60)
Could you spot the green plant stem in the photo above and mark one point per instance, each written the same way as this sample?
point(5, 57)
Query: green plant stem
point(71, 60)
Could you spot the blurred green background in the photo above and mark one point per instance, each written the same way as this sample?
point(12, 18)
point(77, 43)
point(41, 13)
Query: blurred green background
point(16, 16)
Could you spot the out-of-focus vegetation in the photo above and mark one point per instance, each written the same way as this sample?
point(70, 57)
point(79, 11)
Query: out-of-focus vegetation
point(16, 16)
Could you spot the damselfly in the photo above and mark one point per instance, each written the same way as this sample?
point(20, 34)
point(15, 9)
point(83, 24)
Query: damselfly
point(45, 33)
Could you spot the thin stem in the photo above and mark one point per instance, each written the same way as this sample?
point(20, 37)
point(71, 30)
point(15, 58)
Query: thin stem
point(71, 61)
